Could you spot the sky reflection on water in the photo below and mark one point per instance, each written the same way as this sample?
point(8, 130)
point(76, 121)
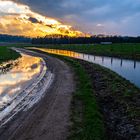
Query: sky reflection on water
point(128, 69)
point(18, 78)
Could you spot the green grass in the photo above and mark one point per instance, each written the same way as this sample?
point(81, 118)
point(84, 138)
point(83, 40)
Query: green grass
point(7, 54)
point(124, 50)
point(86, 117)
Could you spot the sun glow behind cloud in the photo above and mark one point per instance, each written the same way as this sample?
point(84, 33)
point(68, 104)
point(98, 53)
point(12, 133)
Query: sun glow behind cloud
point(18, 19)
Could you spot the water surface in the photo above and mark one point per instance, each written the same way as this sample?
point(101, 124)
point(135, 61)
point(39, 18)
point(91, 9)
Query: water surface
point(21, 74)
point(128, 69)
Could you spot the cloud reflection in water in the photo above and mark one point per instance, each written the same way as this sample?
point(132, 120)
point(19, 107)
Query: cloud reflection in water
point(18, 78)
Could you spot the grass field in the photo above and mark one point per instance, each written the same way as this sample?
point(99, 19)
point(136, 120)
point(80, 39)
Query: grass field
point(129, 50)
point(7, 54)
point(124, 50)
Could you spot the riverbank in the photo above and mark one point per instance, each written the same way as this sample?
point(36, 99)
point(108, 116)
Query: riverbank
point(87, 119)
point(109, 104)
point(124, 50)
point(117, 101)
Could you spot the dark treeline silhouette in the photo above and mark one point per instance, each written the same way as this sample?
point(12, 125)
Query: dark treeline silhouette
point(84, 40)
point(60, 39)
point(14, 39)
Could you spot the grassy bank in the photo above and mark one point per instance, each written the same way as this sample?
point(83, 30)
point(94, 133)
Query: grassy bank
point(118, 99)
point(127, 50)
point(87, 119)
point(105, 106)
point(7, 54)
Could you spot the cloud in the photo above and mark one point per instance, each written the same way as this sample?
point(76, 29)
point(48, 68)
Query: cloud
point(33, 20)
point(85, 14)
point(20, 19)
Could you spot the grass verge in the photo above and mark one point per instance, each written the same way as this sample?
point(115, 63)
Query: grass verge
point(7, 54)
point(102, 90)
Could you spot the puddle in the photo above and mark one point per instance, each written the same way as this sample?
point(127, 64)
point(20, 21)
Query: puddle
point(23, 72)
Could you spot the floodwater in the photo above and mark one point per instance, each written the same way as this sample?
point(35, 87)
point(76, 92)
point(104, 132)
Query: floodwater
point(128, 69)
point(22, 73)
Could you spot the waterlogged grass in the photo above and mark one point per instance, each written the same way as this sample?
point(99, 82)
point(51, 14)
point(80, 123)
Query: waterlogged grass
point(86, 117)
point(7, 54)
point(124, 50)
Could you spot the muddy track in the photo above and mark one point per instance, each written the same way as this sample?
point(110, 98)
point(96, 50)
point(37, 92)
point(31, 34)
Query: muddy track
point(50, 118)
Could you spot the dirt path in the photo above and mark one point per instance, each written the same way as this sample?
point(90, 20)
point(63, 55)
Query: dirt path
point(49, 119)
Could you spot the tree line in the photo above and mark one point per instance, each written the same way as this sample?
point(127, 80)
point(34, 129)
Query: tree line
point(14, 39)
point(84, 40)
point(60, 39)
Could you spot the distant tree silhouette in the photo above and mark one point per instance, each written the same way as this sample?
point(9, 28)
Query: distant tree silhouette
point(10, 38)
point(62, 39)
point(59, 39)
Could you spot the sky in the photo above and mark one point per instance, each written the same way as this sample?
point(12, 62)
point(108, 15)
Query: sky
point(113, 17)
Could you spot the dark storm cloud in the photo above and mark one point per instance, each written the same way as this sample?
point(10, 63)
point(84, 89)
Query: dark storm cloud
point(33, 20)
point(114, 15)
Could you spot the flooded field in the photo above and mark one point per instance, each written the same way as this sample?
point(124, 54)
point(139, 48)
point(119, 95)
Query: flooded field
point(128, 69)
